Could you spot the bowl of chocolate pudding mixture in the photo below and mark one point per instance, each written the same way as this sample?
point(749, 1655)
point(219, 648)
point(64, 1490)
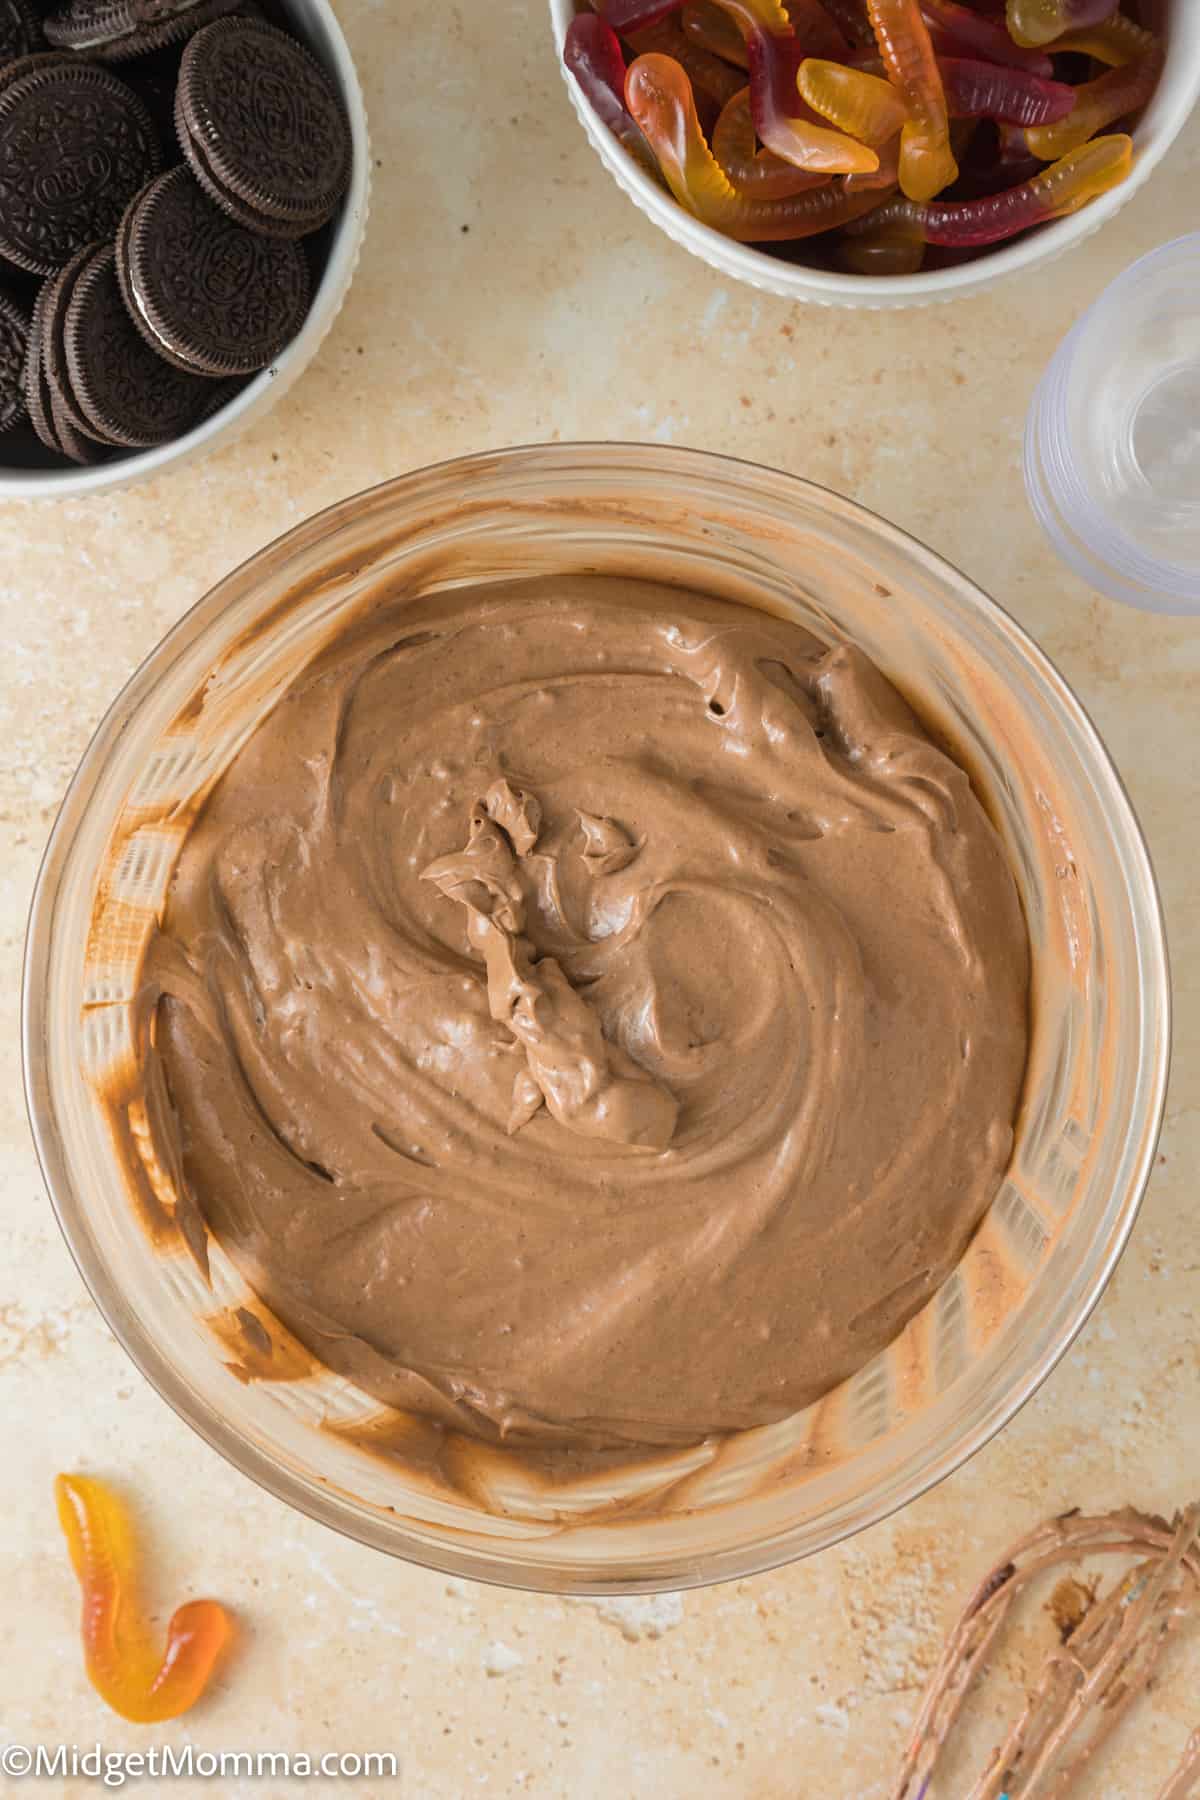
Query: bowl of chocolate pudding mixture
point(596, 1017)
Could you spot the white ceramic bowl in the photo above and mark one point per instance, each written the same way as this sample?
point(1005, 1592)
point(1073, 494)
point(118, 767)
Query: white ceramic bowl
point(1159, 126)
point(32, 478)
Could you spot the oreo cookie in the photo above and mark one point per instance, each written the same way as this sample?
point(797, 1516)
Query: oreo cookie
point(39, 413)
point(24, 65)
point(262, 127)
point(46, 413)
point(74, 444)
point(36, 392)
point(75, 145)
point(126, 394)
point(14, 347)
point(46, 337)
point(20, 30)
point(206, 293)
point(115, 30)
point(51, 334)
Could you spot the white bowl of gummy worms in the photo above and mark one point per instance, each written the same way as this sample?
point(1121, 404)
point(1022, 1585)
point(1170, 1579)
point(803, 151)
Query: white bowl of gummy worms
point(815, 267)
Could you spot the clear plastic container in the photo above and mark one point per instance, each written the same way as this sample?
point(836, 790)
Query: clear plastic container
point(1100, 1017)
point(1112, 442)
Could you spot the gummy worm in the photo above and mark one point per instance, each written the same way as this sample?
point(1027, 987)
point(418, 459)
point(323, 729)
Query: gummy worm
point(957, 31)
point(659, 95)
point(807, 19)
point(857, 103)
point(1041, 21)
point(785, 124)
point(782, 120)
point(887, 175)
point(592, 52)
point(636, 15)
point(712, 79)
point(895, 249)
point(754, 172)
point(122, 1664)
point(815, 30)
point(714, 31)
point(1063, 188)
point(982, 90)
point(1098, 104)
point(760, 16)
point(1116, 40)
point(927, 162)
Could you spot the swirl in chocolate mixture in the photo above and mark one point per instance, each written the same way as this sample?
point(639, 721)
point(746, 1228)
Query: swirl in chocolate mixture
point(592, 1013)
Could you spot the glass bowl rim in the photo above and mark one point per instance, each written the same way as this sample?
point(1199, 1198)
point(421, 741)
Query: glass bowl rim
point(307, 1493)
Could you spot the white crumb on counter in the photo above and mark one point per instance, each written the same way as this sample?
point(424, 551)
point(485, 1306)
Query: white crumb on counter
point(501, 1659)
point(638, 1616)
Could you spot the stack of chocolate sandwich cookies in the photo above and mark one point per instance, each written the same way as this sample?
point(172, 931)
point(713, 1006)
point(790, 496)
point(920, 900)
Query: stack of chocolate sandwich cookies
point(137, 298)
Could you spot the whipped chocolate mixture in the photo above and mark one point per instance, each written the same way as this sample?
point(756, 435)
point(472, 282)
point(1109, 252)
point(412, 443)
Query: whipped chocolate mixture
point(592, 1013)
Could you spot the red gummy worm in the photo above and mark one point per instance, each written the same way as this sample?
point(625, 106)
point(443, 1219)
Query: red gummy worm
point(775, 104)
point(713, 30)
point(774, 65)
point(1063, 187)
point(957, 31)
point(982, 90)
point(816, 31)
point(592, 52)
point(635, 15)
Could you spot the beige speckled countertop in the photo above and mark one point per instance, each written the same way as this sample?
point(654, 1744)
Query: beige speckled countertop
point(507, 293)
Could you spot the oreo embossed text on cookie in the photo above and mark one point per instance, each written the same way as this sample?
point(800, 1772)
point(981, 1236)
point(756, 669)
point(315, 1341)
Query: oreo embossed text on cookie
point(75, 144)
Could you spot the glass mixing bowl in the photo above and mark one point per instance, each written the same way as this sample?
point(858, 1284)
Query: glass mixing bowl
point(1089, 1118)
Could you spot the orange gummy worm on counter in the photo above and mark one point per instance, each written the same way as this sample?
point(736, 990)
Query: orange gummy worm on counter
point(122, 1664)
